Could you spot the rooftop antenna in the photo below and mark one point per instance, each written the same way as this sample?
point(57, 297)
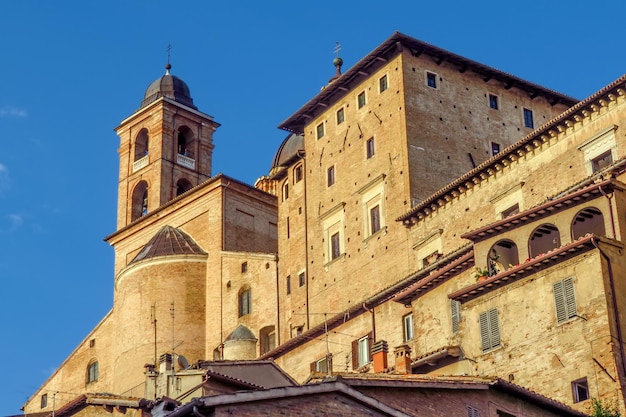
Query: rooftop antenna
point(329, 371)
point(173, 343)
point(168, 66)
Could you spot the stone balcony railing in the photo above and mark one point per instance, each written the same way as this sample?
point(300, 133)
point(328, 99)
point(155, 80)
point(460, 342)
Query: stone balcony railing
point(140, 163)
point(186, 161)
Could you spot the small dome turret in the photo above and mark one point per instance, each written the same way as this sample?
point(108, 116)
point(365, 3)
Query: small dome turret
point(169, 86)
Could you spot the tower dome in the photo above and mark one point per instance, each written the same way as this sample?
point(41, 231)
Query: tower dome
point(169, 86)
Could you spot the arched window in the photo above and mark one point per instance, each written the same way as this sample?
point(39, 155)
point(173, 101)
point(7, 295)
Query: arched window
point(588, 220)
point(501, 255)
point(141, 144)
point(92, 371)
point(183, 186)
point(267, 336)
point(185, 142)
point(544, 238)
point(140, 200)
point(244, 301)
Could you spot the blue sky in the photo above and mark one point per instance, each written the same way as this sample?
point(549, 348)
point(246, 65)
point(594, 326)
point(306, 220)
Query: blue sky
point(72, 70)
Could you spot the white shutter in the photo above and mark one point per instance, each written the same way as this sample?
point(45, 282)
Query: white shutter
point(489, 329)
point(570, 298)
point(484, 330)
point(455, 308)
point(559, 302)
point(494, 328)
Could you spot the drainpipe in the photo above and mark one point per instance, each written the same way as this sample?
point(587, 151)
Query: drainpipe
point(373, 321)
point(620, 339)
point(306, 240)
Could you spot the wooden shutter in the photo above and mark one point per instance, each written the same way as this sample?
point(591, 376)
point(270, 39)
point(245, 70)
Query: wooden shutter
point(564, 299)
point(570, 298)
point(484, 330)
point(370, 343)
point(355, 354)
point(494, 328)
point(455, 309)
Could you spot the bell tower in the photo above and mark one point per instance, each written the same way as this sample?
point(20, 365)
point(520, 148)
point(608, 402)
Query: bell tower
point(166, 148)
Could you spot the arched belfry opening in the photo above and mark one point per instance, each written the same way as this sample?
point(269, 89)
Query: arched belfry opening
point(141, 144)
point(182, 186)
point(185, 142)
point(544, 239)
point(588, 220)
point(139, 201)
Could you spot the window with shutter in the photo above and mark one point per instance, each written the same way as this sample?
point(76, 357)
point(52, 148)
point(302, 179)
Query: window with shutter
point(361, 349)
point(455, 308)
point(489, 329)
point(472, 412)
point(564, 300)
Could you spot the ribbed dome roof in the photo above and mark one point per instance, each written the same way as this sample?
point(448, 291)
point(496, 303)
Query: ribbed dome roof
point(292, 146)
point(169, 86)
point(241, 333)
point(169, 241)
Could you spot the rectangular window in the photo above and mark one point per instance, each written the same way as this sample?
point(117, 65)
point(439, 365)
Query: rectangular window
point(287, 226)
point(361, 351)
point(455, 310)
point(564, 300)
point(382, 84)
point(244, 267)
point(407, 325)
point(288, 284)
point(489, 329)
point(361, 99)
point(493, 101)
point(495, 148)
point(44, 400)
point(320, 130)
point(301, 279)
point(297, 174)
point(374, 219)
point(322, 365)
point(431, 79)
point(341, 116)
point(335, 246)
point(601, 161)
point(528, 118)
point(511, 211)
point(580, 390)
point(370, 148)
point(244, 302)
point(285, 191)
point(504, 414)
point(330, 176)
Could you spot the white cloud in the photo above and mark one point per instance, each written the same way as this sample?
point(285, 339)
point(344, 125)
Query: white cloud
point(9, 111)
point(4, 177)
point(14, 221)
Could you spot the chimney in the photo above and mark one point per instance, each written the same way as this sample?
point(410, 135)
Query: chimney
point(165, 362)
point(403, 359)
point(379, 356)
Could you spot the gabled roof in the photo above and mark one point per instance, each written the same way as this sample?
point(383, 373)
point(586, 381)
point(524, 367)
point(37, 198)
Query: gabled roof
point(260, 373)
point(510, 154)
point(389, 49)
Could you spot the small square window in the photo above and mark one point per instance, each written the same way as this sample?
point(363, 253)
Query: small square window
point(472, 412)
point(244, 267)
point(320, 130)
point(495, 148)
point(92, 343)
point(407, 325)
point(431, 79)
point(371, 150)
point(297, 174)
point(361, 99)
point(330, 176)
point(322, 365)
point(341, 116)
point(382, 83)
point(528, 119)
point(580, 390)
point(335, 246)
point(601, 161)
point(493, 101)
point(301, 280)
point(288, 284)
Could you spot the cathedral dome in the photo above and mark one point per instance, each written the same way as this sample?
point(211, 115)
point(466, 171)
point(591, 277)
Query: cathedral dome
point(169, 86)
point(292, 147)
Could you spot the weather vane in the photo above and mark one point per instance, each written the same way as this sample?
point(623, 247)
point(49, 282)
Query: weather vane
point(337, 48)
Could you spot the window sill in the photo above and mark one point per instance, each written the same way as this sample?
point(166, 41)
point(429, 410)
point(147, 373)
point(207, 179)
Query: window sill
point(341, 257)
point(381, 232)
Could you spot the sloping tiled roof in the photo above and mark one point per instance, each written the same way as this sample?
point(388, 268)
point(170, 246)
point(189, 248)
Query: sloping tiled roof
point(169, 241)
